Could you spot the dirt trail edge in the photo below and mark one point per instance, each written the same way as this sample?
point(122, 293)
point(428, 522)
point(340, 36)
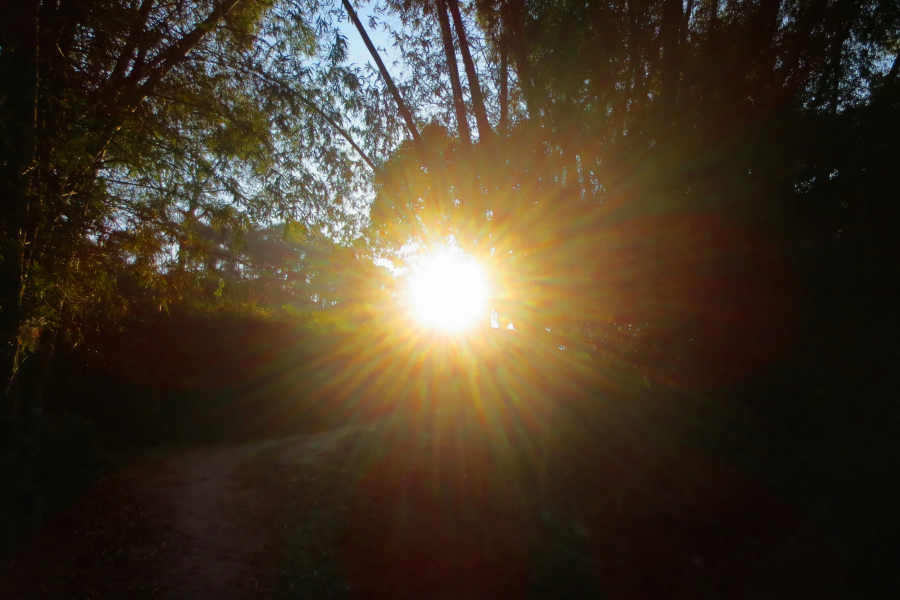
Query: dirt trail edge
point(198, 523)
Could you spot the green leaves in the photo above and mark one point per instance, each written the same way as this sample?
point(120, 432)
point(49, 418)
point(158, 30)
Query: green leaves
point(171, 137)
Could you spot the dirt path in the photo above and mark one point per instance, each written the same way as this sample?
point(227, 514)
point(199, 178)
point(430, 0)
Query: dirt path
point(432, 509)
point(176, 524)
point(220, 522)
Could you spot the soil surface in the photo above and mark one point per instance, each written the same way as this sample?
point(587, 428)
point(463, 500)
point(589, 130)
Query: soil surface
point(170, 523)
point(424, 508)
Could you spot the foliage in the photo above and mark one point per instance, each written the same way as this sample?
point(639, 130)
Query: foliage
point(649, 141)
point(696, 197)
point(162, 135)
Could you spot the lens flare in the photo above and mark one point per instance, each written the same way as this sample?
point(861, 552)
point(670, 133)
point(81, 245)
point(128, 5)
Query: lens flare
point(448, 292)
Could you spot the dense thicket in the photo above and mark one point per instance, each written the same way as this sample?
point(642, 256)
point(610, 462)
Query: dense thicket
point(702, 195)
point(143, 141)
point(639, 122)
point(643, 171)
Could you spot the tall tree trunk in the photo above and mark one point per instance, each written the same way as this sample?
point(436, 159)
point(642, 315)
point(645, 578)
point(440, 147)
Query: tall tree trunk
point(447, 36)
point(48, 351)
point(388, 80)
point(670, 34)
point(634, 56)
point(514, 27)
point(504, 84)
point(895, 70)
point(686, 26)
point(484, 126)
point(18, 74)
point(766, 46)
point(713, 26)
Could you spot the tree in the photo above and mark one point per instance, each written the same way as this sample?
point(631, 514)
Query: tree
point(462, 119)
point(624, 110)
point(484, 127)
point(131, 129)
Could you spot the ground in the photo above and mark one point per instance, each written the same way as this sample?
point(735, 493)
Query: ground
point(421, 509)
point(202, 522)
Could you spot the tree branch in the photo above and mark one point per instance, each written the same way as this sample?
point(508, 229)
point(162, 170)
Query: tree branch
point(339, 129)
point(484, 126)
point(447, 36)
point(179, 50)
point(401, 105)
point(136, 93)
point(132, 43)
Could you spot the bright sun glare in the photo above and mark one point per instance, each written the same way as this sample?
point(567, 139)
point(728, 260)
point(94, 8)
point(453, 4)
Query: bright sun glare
point(448, 292)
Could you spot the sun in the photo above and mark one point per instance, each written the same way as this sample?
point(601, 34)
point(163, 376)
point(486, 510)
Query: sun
point(448, 292)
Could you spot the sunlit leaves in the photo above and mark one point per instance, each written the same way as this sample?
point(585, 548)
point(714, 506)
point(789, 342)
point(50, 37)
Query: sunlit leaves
point(160, 193)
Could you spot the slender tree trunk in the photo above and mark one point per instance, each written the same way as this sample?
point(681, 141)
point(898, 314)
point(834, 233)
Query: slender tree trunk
point(713, 26)
point(628, 96)
point(514, 27)
point(834, 70)
point(688, 11)
point(765, 43)
point(484, 126)
point(895, 69)
point(447, 36)
point(388, 80)
point(504, 84)
point(18, 74)
point(670, 30)
point(49, 341)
